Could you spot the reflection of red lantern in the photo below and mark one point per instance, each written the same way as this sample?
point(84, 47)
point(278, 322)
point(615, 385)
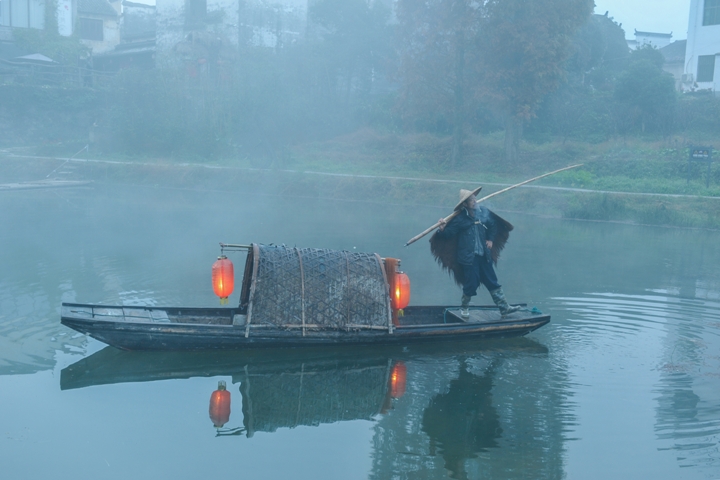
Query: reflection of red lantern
point(220, 405)
point(401, 291)
point(398, 380)
point(223, 278)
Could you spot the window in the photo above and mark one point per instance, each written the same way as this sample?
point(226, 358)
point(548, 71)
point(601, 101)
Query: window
point(706, 68)
point(90, 28)
point(711, 12)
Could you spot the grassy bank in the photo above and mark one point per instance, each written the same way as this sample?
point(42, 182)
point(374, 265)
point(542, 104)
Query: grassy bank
point(637, 181)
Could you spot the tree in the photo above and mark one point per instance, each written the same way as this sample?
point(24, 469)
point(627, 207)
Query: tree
point(525, 46)
point(353, 41)
point(645, 92)
point(435, 40)
point(459, 54)
point(583, 105)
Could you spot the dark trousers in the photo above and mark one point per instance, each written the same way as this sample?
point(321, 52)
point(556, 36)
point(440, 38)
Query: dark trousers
point(481, 271)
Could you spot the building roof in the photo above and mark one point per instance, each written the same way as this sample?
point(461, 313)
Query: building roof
point(674, 52)
point(139, 5)
point(34, 58)
point(653, 34)
point(97, 7)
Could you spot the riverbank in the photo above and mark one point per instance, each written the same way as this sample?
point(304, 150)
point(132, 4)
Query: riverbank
point(642, 182)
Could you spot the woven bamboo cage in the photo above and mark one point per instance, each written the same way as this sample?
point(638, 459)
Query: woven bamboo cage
point(315, 289)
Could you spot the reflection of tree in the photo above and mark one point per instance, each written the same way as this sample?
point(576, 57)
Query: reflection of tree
point(687, 412)
point(463, 421)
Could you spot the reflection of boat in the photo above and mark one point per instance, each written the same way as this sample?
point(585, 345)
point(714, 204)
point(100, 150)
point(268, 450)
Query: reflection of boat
point(298, 297)
point(110, 365)
point(285, 388)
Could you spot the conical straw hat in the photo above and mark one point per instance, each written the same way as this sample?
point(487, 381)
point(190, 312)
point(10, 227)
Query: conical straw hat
point(464, 195)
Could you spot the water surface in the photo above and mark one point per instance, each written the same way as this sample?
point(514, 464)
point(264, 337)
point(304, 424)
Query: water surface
point(624, 382)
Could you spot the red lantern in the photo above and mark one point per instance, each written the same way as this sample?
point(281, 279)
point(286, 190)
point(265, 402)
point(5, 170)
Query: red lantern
point(398, 380)
point(223, 278)
point(401, 293)
point(220, 405)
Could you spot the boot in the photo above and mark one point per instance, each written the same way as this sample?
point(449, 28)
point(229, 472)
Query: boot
point(464, 306)
point(498, 297)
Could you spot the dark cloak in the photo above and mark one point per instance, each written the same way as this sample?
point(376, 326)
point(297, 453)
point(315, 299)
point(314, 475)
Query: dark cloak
point(445, 249)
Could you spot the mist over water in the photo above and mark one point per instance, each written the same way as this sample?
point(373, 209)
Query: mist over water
point(624, 380)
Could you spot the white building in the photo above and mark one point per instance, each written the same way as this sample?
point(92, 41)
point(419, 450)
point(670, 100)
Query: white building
point(95, 21)
point(657, 40)
point(98, 24)
point(702, 70)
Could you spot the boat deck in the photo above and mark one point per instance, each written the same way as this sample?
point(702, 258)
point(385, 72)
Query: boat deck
point(414, 316)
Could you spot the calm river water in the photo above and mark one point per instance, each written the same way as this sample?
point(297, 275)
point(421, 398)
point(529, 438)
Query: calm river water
point(623, 383)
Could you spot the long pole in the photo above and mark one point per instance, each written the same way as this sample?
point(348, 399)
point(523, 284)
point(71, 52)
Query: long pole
point(452, 215)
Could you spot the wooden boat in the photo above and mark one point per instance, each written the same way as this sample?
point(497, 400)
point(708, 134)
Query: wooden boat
point(298, 298)
point(174, 328)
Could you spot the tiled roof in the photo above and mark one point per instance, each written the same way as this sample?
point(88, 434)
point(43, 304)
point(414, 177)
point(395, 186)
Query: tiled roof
point(654, 34)
point(674, 52)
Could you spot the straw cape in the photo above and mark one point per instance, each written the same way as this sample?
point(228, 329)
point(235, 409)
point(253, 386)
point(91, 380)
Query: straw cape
point(445, 249)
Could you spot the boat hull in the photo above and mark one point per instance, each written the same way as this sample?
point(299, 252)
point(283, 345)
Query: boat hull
point(418, 326)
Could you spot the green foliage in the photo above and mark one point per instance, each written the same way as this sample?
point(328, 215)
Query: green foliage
point(698, 114)
point(459, 56)
point(645, 93)
point(525, 47)
point(600, 53)
point(576, 178)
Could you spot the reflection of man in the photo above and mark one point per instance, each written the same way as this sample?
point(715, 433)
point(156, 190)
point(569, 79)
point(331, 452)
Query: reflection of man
point(463, 421)
point(477, 235)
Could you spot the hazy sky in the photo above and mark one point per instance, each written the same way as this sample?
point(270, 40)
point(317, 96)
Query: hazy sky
point(661, 16)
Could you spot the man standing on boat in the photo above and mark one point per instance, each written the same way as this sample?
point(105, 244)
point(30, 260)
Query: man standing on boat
point(468, 245)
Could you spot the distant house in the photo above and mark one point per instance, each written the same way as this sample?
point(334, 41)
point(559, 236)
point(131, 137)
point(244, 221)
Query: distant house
point(702, 70)
point(137, 40)
point(98, 24)
point(96, 21)
point(657, 40)
point(674, 55)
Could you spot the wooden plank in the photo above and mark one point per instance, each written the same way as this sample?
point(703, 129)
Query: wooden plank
point(159, 316)
point(476, 316)
point(107, 312)
point(137, 314)
point(81, 312)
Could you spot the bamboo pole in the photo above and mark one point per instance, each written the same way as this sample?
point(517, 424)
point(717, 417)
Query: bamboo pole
point(454, 214)
point(233, 246)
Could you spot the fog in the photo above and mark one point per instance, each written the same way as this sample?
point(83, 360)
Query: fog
point(136, 137)
point(385, 82)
